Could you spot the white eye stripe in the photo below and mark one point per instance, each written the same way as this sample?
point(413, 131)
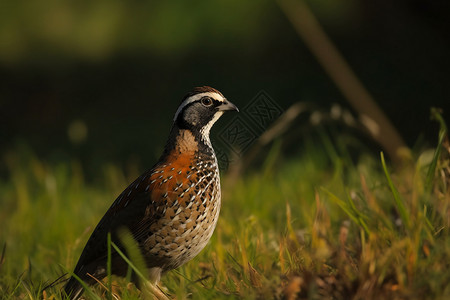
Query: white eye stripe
point(214, 96)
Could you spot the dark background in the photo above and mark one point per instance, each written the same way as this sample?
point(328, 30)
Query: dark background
point(118, 69)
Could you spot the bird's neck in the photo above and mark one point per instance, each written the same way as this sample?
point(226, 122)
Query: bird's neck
point(185, 141)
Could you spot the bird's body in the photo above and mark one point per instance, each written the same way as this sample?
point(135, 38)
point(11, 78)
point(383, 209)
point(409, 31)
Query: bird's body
point(172, 209)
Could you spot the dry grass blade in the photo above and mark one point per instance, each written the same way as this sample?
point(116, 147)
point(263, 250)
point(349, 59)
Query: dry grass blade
point(255, 277)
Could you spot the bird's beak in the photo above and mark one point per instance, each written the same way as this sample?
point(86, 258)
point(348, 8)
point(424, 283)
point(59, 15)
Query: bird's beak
point(227, 105)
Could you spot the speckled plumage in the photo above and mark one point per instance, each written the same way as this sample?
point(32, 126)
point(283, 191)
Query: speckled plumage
point(172, 209)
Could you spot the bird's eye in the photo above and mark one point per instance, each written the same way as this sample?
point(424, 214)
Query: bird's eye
point(206, 101)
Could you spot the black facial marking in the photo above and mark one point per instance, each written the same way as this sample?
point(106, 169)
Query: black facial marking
point(197, 114)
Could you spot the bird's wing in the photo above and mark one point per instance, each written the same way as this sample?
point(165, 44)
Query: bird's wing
point(136, 202)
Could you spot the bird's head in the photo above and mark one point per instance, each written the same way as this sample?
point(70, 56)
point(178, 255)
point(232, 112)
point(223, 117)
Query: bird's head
point(200, 109)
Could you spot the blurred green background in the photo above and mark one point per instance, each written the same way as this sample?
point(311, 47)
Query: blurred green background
point(99, 81)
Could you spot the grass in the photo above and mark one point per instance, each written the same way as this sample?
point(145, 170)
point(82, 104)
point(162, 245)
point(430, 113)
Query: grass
point(316, 226)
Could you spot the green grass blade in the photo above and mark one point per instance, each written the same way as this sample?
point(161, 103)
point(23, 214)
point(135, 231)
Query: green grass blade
point(108, 268)
point(17, 285)
point(86, 288)
point(435, 114)
point(128, 261)
point(352, 213)
point(404, 215)
point(360, 215)
point(132, 248)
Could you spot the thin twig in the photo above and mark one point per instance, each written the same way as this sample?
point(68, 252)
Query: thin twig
point(315, 38)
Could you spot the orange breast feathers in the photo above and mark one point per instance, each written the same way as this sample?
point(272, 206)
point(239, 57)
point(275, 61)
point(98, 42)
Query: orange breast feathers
point(170, 181)
point(173, 179)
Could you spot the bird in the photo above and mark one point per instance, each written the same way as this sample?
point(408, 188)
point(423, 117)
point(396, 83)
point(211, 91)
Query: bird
point(172, 209)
